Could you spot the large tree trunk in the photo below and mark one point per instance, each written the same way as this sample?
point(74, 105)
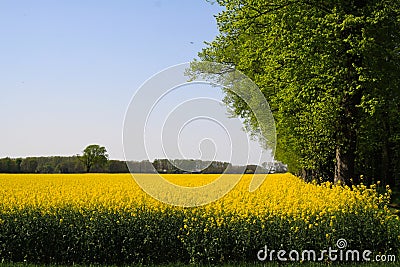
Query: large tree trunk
point(344, 166)
point(387, 172)
point(346, 143)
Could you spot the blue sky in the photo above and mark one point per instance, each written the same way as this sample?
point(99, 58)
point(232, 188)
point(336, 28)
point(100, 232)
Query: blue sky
point(69, 68)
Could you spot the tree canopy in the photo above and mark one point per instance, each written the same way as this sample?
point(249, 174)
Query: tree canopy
point(94, 155)
point(330, 71)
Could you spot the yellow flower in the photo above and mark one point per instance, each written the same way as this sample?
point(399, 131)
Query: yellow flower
point(281, 196)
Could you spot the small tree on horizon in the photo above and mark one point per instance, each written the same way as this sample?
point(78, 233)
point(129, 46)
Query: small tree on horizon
point(93, 155)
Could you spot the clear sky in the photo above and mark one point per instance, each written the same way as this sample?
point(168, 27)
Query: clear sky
point(69, 68)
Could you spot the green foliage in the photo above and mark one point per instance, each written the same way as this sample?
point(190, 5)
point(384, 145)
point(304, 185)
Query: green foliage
point(117, 166)
point(8, 165)
point(94, 156)
point(57, 164)
point(68, 236)
point(29, 165)
point(41, 165)
point(331, 74)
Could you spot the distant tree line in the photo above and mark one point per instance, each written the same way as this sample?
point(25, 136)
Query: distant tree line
point(75, 164)
point(209, 167)
point(56, 164)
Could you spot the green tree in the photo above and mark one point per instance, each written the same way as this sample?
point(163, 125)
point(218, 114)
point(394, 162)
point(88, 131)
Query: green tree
point(94, 155)
point(29, 165)
point(117, 166)
point(330, 71)
point(8, 165)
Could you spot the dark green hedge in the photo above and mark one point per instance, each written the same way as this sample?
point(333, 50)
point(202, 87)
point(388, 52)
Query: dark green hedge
point(174, 236)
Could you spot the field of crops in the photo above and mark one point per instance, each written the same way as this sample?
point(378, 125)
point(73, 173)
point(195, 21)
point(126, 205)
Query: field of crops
point(107, 218)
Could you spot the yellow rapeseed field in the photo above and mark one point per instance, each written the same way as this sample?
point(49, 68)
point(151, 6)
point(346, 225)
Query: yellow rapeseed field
point(283, 210)
point(280, 194)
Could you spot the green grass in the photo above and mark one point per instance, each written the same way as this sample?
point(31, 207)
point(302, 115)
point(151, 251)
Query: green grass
point(225, 265)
